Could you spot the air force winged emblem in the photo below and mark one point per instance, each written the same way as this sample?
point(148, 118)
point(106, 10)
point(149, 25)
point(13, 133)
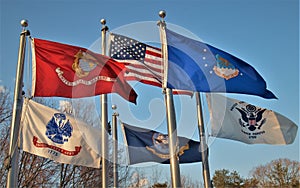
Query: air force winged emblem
point(224, 68)
point(251, 117)
point(59, 129)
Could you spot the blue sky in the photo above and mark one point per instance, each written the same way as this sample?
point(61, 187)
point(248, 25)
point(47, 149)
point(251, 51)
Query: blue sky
point(264, 33)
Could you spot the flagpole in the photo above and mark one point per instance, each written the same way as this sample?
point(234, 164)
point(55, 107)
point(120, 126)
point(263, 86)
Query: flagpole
point(170, 111)
point(13, 154)
point(104, 137)
point(115, 146)
point(203, 145)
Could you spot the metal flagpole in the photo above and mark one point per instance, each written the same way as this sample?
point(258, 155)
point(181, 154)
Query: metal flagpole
point(104, 137)
point(115, 146)
point(12, 176)
point(203, 145)
point(170, 111)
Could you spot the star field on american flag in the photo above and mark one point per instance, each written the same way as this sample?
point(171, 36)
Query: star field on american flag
point(125, 48)
point(143, 62)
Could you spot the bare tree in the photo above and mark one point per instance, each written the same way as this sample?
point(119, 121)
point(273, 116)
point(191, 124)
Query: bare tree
point(5, 119)
point(188, 182)
point(156, 176)
point(4, 145)
point(5, 107)
point(138, 178)
point(278, 173)
point(35, 171)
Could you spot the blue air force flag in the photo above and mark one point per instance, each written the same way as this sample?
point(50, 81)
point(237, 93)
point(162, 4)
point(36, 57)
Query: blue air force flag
point(49, 133)
point(196, 66)
point(150, 146)
point(237, 120)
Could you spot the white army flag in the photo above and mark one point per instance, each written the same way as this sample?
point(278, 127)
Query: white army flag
point(60, 137)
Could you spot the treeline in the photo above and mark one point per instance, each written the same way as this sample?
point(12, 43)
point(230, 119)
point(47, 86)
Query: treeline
point(277, 173)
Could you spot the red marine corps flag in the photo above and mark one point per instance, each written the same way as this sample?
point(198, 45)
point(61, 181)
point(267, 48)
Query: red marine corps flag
point(69, 71)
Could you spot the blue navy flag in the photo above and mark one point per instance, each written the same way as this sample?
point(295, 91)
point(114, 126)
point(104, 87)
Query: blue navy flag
point(150, 146)
point(205, 68)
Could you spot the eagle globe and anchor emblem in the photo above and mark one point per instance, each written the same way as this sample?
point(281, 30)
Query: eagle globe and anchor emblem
point(59, 129)
point(84, 64)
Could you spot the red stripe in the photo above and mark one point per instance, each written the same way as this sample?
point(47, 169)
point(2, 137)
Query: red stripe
point(153, 61)
point(153, 53)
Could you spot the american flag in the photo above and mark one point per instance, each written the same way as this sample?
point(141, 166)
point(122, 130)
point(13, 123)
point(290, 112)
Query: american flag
point(143, 62)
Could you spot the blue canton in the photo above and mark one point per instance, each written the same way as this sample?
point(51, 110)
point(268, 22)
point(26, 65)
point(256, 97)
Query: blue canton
point(124, 48)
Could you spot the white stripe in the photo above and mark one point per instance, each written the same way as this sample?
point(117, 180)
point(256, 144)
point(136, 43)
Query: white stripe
point(141, 77)
point(151, 65)
point(145, 71)
point(154, 58)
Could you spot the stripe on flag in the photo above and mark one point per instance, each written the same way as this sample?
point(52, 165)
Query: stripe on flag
point(143, 62)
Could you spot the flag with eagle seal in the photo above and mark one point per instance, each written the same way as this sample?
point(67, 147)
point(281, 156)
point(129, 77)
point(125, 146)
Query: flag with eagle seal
point(144, 145)
point(49, 133)
point(238, 120)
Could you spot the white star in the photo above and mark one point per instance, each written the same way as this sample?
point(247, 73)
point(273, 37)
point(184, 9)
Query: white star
point(204, 50)
point(205, 65)
point(210, 72)
point(203, 58)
